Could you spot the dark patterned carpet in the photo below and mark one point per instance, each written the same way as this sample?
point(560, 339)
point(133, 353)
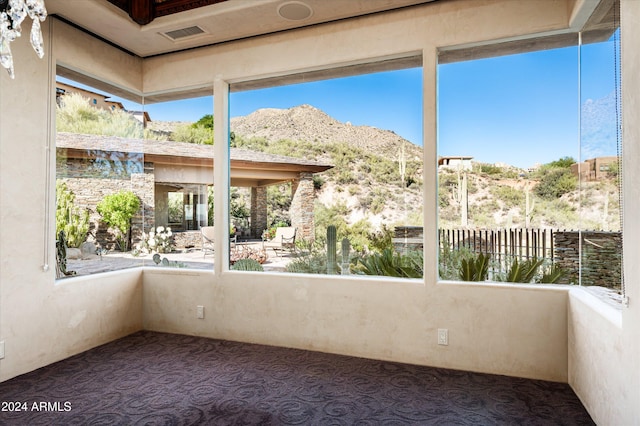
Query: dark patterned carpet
point(165, 379)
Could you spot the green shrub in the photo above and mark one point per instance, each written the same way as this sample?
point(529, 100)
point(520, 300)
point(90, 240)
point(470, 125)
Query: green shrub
point(443, 198)
point(314, 261)
point(358, 235)
point(563, 163)
point(117, 210)
point(381, 239)
point(344, 176)
point(318, 182)
point(389, 263)
point(76, 115)
point(192, 133)
point(247, 265)
point(377, 204)
point(70, 219)
point(205, 121)
point(254, 144)
point(490, 169)
point(558, 213)
point(555, 182)
point(511, 197)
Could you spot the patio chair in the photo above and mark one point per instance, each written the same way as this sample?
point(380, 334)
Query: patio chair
point(285, 239)
point(207, 239)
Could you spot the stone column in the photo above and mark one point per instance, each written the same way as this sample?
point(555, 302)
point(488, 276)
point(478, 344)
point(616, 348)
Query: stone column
point(301, 210)
point(258, 210)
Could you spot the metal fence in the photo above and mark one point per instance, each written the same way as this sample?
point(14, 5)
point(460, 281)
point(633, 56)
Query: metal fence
point(589, 257)
point(502, 244)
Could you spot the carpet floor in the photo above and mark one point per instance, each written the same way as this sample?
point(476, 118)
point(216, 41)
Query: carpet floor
point(151, 378)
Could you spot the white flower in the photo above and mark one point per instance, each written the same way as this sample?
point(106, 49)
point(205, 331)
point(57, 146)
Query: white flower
point(160, 229)
point(152, 242)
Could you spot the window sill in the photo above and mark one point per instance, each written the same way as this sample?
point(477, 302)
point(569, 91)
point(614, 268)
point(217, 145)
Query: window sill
point(608, 310)
point(606, 295)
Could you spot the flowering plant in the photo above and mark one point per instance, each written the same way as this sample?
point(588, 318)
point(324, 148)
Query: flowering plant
point(259, 255)
point(160, 241)
point(269, 234)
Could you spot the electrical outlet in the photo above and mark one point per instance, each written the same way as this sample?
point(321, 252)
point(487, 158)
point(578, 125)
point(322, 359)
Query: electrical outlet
point(2, 349)
point(200, 312)
point(443, 336)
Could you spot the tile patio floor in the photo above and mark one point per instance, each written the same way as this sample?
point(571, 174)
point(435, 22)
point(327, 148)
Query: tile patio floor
point(191, 259)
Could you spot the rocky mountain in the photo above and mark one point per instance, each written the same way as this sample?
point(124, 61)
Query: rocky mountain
point(307, 123)
point(366, 181)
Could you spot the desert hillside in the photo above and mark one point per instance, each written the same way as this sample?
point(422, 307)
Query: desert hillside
point(367, 182)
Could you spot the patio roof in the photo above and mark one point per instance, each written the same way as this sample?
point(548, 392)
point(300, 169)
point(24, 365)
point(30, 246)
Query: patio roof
point(248, 168)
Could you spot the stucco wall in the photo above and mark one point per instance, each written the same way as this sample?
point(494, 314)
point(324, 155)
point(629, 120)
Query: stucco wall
point(596, 354)
point(42, 321)
point(496, 329)
point(605, 347)
point(505, 329)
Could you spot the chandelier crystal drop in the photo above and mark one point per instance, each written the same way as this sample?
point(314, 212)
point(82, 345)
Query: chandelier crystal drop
point(12, 14)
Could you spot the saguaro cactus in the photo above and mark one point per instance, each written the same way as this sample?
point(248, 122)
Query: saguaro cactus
point(346, 248)
point(528, 208)
point(331, 250)
point(461, 196)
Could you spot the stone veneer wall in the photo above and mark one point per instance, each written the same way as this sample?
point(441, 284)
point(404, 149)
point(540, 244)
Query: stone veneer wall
point(601, 256)
point(302, 206)
point(91, 181)
point(258, 211)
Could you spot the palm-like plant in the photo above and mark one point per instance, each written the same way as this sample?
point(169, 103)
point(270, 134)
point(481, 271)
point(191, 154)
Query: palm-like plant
point(523, 272)
point(475, 269)
point(389, 263)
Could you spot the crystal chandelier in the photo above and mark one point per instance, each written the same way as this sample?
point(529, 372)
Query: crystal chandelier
point(12, 13)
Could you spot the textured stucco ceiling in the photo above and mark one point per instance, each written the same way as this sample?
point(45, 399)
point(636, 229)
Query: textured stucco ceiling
point(220, 22)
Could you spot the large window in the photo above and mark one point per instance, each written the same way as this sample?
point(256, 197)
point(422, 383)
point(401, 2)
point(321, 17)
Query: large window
point(600, 262)
point(529, 165)
point(134, 182)
point(326, 176)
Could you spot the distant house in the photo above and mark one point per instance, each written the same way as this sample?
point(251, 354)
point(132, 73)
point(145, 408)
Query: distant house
point(99, 100)
point(462, 162)
point(141, 116)
point(96, 99)
point(594, 169)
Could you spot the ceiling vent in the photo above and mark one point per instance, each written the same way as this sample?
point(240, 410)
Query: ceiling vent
point(184, 33)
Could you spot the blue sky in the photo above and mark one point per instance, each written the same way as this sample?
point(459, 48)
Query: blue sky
point(518, 109)
point(389, 100)
point(526, 109)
